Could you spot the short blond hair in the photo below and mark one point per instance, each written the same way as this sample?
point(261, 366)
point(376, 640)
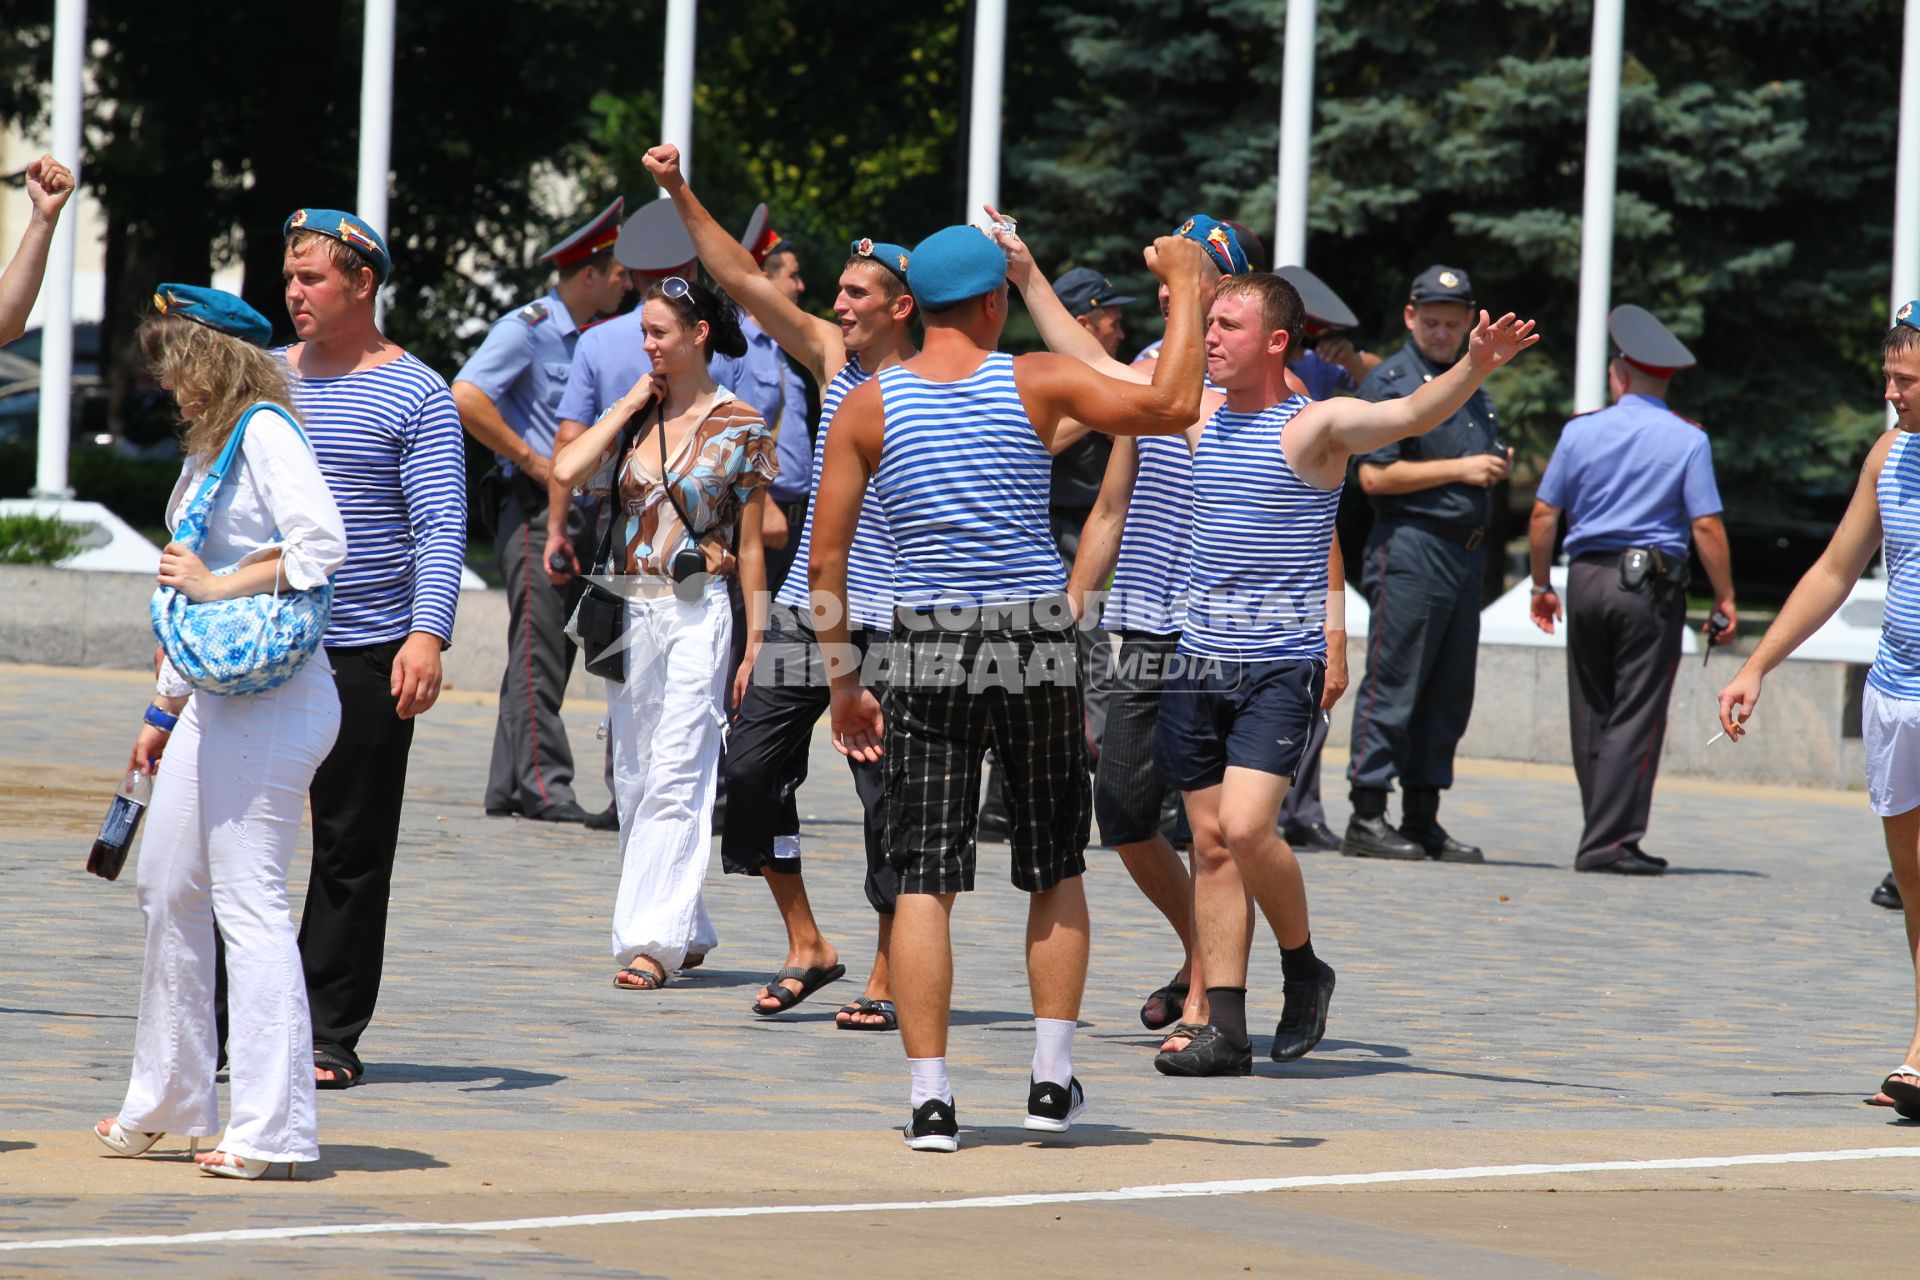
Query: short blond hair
point(346, 259)
point(222, 373)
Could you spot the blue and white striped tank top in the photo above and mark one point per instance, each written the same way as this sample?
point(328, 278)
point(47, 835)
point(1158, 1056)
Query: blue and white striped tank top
point(1257, 589)
point(1149, 591)
point(964, 480)
point(1896, 667)
point(870, 559)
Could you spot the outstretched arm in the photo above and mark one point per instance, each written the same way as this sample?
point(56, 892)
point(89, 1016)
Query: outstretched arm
point(1819, 594)
point(812, 341)
point(1352, 427)
point(1100, 535)
point(49, 186)
point(1058, 329)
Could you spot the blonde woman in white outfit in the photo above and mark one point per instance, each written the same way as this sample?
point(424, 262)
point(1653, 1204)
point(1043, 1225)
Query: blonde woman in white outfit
point(232, 774)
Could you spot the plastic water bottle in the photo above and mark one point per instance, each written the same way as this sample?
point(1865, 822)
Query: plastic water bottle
point(123, 820)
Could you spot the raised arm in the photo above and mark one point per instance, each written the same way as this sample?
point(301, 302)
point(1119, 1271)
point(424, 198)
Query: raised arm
point(814, 342)
point(1056, 387)
point(49, 186)
point(1058, 329)
point(1345, 427)
point(1818, 595)
point(1100, 535)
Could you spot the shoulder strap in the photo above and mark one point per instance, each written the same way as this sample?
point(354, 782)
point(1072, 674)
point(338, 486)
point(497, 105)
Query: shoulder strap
point(223, 463)
point(666, 477)
point(603, 557)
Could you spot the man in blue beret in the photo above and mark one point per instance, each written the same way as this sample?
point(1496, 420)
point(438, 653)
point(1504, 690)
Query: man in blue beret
point(1635, 481)
point(1432, 502)
point(772, 732)
point(956, 444)
point(387, 434)
point(509, 393)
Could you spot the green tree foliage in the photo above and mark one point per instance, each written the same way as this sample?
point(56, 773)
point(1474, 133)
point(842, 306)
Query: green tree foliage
point(1755, 184)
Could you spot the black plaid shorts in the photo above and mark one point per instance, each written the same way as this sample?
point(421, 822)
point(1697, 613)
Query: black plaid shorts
point(955, 689)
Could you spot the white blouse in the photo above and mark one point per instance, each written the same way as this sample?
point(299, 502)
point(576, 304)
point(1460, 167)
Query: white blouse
point(274, 497)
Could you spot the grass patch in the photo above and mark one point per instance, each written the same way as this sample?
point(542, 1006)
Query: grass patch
point(29, 539)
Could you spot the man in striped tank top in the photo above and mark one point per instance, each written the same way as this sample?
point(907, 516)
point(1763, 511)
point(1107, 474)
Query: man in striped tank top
point(1237, 717)
point(1885, 509)
point(955, 443)
point(390, 445)
point(773, 727)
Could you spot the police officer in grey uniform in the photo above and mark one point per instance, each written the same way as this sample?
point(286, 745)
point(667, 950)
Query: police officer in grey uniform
point(508, 393)
point(1422, 578)
point(1635, 480)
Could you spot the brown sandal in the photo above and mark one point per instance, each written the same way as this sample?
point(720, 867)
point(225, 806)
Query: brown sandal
point(643, 979)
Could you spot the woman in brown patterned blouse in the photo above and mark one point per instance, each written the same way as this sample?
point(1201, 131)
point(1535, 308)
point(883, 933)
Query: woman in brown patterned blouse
point(667, 718)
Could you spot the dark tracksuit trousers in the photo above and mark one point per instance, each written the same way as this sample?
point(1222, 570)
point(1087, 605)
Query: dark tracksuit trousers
point(1622, 650)
point(532, 766)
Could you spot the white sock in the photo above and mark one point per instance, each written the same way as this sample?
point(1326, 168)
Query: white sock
point(786, 846)
point(929, 1081)
point(1053, 1050)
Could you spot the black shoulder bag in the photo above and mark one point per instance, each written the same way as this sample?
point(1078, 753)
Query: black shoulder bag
point(600, 618)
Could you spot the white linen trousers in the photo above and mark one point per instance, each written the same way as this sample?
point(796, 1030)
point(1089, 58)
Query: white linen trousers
point(227, 803)
point(667, 724)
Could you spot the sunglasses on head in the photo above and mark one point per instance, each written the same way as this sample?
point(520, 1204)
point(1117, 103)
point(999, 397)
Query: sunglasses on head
point(674, 287)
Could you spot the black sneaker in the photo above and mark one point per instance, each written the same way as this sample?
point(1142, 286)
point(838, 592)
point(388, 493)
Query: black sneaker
point(1052, 1108)
point(1209, 1053)
point(932, 1127)
point(1888, 894)
point(1303, 1016)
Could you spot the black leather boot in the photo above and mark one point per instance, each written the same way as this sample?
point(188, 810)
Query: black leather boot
point(1368, 833)
point(1420, 822)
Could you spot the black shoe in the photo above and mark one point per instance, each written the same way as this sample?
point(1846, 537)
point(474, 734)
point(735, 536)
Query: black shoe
point(994, 827)
point(1656, 861)
point(1888, 895)
point(607, 819)
point(1375, 838)
point(1441, 846)
point(510, 810)
point(1303, 1016)
point(1209, 1053)
point(1311, 837)
point(1627, 864)
point(564, 811)
point(1052, 1108)
point(933, 1127)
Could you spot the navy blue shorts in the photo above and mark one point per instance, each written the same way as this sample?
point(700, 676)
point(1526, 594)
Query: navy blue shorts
point(1251, 715)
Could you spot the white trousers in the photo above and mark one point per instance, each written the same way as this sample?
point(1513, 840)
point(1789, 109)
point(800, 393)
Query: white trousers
point(227, 804)
point(666, 725)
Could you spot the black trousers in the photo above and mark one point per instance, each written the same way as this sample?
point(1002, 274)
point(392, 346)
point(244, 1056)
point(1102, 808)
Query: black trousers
point(1622, 650)
point(532, 766)
point(356, 799)
point(767, 752)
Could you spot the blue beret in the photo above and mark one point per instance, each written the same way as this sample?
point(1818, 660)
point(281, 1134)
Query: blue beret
point(953, 265)
point(214, 308)
point(348, 230)
point(1217, 238)
point(894, 257)
point(1908, 314)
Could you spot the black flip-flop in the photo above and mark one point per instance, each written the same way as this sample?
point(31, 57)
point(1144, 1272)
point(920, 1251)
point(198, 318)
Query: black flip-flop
point(810, 980)
point(1172, 997)
point(1904, 1089)
point(346, 1073)
point(882, 1008)
point(648, 979)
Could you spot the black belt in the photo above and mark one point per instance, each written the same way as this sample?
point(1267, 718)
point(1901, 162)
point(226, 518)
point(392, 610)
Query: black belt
point(1459, 535)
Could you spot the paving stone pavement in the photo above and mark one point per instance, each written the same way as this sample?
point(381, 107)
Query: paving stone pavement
point(1753, 988)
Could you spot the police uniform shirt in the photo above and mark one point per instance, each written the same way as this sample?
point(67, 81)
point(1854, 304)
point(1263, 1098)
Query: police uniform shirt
point(607, 361)
point(523, 367)
point(1632, 475)
point(765, 380)
point(1322, 378)
point(1470, 431)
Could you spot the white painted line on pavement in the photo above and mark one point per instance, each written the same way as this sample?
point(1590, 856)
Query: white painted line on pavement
point(1161, 1191)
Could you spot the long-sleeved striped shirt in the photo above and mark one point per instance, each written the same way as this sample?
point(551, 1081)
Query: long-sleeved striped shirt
point(391, 447)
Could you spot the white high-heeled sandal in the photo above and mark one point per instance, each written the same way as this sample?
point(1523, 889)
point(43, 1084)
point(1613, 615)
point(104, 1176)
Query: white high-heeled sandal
point(234, 1165)
point(124, 1142)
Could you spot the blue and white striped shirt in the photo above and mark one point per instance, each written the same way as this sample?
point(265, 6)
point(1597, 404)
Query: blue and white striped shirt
point(1261, 535)
point(1149, 591)
point(390, 445)
point(1896, 667)
point(964, 480)
point(870, 558)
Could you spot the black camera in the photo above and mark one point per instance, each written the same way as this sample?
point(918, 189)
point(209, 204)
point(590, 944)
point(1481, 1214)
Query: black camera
point(688, 570)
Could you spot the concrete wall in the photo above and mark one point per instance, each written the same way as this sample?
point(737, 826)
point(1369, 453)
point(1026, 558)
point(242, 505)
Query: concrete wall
point(1801, 735)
